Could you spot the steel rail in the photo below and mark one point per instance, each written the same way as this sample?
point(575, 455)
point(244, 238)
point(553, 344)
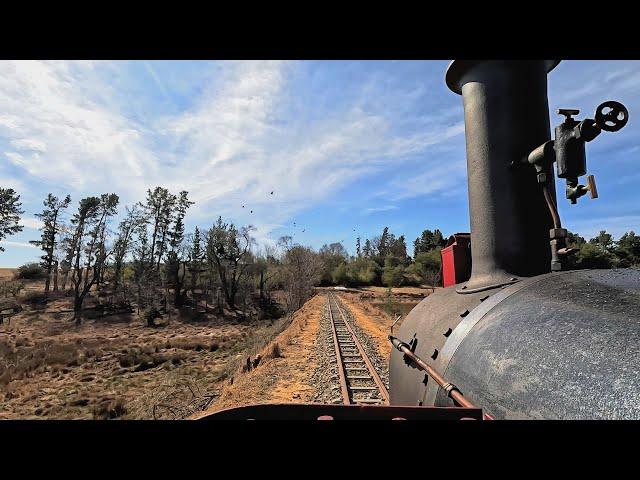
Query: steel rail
point(372, 371)
point(452, 391)
point(341, 370)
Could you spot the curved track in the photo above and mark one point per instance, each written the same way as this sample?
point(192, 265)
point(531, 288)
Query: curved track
point(359, 381)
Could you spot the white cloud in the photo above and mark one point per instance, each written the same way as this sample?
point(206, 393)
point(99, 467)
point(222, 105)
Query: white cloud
point(17, 244)
point(64, 127)
point(31, 222)
point(384, 208)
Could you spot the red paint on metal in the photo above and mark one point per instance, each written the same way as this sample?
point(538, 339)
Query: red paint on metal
point(456, 259)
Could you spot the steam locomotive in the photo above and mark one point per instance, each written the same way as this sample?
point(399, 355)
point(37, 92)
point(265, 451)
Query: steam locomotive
point(522, 337)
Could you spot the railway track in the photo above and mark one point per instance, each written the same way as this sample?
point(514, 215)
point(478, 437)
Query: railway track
point(359, 381)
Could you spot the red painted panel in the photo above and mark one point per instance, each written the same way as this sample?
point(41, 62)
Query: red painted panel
point(456, 260)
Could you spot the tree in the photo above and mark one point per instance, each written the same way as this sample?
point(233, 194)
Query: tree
point(158, 208)
point(144, 274)
point(90, 221)
point(384, 243)
point(427, 266)
point(301, 270)
point(332, 256)
point(195, 259)
point(227, 250)
point(176, 255)
point(9, 213)
point(628, 249)
point(50, 220)
point(123, 244)
point(398, 249)
point(367, 251)
point(592, 255)
point(604, 241)
point(428, 241)
point(358, 250)
point(363, 271)
point(393, 273)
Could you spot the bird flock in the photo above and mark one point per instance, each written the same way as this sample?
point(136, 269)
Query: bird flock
point(294, 223)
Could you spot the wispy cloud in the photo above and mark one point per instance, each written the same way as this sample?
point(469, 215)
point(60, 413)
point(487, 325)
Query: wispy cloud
point(30, 222)
point(383, 208)
point(240, 130)
point(17, 244)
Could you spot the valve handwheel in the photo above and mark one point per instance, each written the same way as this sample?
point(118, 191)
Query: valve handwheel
point(611, 116)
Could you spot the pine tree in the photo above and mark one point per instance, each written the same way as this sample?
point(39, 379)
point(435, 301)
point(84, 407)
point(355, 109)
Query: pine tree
point(50, 217)
point(9, 213)
point(90, 221)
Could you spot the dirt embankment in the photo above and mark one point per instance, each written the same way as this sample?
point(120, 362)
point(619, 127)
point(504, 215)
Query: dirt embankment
point(286, 366)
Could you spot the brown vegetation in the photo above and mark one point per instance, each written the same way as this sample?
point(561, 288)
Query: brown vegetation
point(113, 366)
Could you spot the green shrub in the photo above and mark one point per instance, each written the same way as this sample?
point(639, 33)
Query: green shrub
point(30, 271)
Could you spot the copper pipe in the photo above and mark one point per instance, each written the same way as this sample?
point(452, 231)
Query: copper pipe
point(453, 392)
point(552, 207)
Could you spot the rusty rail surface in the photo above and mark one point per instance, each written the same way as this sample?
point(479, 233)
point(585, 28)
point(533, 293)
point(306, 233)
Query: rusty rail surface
point(349, 350)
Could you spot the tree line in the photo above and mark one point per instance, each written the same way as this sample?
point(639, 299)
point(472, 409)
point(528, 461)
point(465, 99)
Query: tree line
point(148, 260)
point(383, 260)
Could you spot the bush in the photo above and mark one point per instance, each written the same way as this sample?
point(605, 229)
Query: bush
point(10, 288)
point(35, 298)
point(30, 271)
point(149, 315)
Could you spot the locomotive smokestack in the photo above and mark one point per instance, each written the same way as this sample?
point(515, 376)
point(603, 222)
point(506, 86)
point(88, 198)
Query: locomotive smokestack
point(506, 116)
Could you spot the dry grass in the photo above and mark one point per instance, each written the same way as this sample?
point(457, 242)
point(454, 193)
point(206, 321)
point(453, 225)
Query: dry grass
point(111, 367)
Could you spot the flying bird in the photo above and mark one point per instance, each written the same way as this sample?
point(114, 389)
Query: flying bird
point(251, 211)
point(242, 206)
point(271, 193)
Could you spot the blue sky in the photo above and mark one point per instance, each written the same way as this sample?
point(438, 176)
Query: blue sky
point(348, 147)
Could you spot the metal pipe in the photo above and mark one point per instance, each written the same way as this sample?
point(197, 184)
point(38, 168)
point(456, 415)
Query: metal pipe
point(449, 387)
point(506, 116)
point(552, 207)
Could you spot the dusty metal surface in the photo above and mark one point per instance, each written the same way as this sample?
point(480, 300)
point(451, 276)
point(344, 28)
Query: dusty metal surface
point(431, 322)
point(561, 346)
point(452, 391)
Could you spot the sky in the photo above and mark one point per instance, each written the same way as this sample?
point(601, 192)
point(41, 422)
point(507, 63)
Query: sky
point(347, 147)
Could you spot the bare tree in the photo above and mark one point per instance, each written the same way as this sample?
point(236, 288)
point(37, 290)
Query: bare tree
point(301, 270)
point(227, 250)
